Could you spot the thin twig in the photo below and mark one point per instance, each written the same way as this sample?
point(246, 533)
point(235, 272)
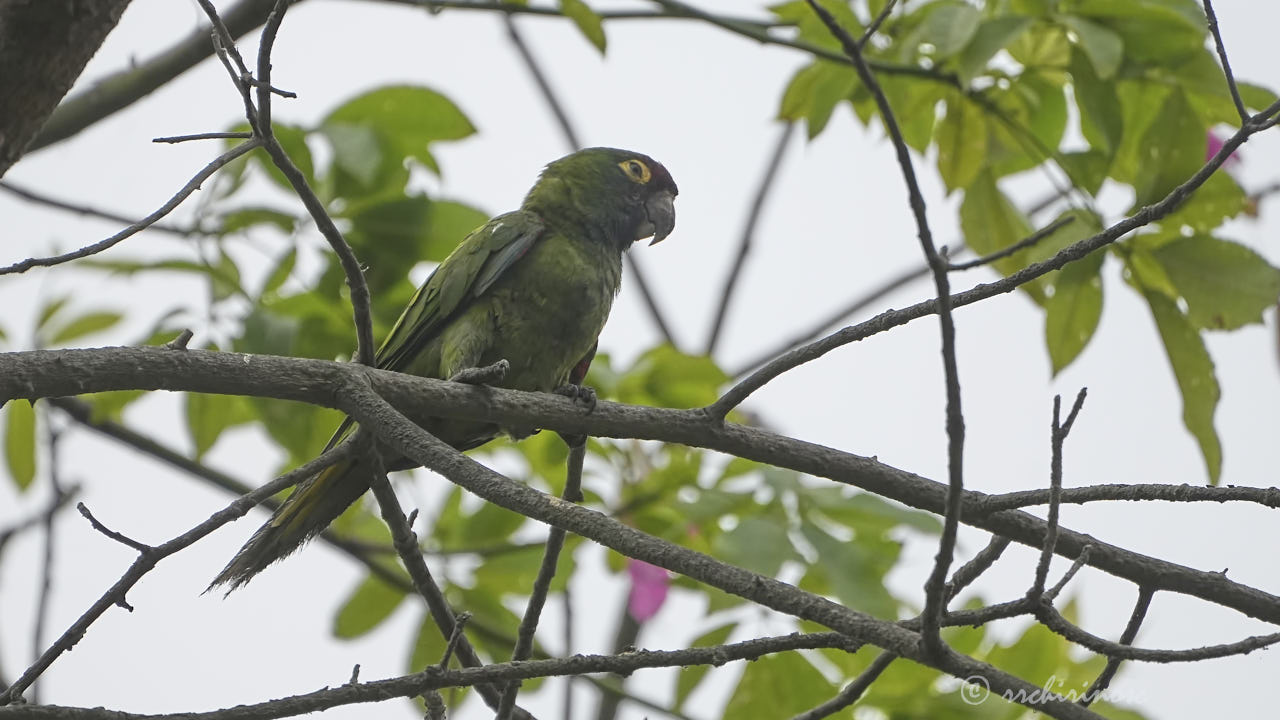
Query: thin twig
point(406, 543)
point(192, 185)
point(1076, 565)
point(1057, 437)
point(44, 601)
point(1099, 686)
point(546, 573)
point(748, 234)
point(1226, 65)
point(146, 561)
point(1266, 497)
point(854, 690)
point(1022, 244)
point(544, 85)
point(1054, 620)
point(935, 586)
point(876, 23)
point(42, 199)
point(172, 139)
point(459, 626)
point(967, 573)
point(118, 537)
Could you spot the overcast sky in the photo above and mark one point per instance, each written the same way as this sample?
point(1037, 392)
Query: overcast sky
point(701, 101)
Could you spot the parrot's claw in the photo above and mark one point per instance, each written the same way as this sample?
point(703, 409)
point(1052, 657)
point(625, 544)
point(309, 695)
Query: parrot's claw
point(487, 375)
point(582, 394)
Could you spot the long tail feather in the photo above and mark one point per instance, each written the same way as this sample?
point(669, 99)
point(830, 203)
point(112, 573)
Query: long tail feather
point(309, 510)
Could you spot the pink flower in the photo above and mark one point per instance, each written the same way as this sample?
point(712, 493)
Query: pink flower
point(649, 585)
point(1213, 144)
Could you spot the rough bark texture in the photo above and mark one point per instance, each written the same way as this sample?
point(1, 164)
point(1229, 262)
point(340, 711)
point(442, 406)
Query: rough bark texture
point(44, 45)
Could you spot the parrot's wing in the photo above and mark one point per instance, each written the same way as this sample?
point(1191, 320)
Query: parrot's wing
point(467, 273)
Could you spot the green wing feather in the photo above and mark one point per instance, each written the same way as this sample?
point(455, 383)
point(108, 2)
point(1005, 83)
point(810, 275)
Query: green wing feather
point(469, 271)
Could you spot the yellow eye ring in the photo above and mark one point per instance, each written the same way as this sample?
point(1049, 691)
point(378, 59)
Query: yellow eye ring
point(636, 170)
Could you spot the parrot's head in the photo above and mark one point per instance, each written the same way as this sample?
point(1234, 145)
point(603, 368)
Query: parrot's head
point(624, 196)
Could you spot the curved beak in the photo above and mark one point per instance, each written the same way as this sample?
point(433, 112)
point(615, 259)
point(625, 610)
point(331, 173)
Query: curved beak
point(661, 211)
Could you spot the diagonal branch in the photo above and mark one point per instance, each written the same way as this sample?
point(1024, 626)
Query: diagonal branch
point(748, 235)
point(1127, 637)
point(53, 373)
point(893, 318)
point(192, 185)
point(148, 559)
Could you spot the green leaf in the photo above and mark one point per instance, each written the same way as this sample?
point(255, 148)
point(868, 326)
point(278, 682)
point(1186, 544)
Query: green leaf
point(1073, 311)
point(991, 37)
point(1101, 120)
point(245, 218)
point(408, 117)
point(1086, 168)
point(962, 142)
point(51, 309)
point(1255, 97)
point(777, 686)
point(759, 544)
point(1219, 198)
point(20, 442)
point(489, 525)
point(665, 377)
point(372, 602)
point(87, 324)
point(428, 646)
point(949, 27)
point(1173, 149)
point(224, 277)
point(991, 222)
point(1226, 285)
point(1153, 31)
point(814, 92)
point(448, 224)
point(1193, 369)
point(688, 677)
point(854, 571)
point(1042, 46)
point(209, 415)
point(363, 165)
point(587, 20)
point(280, 273)
point(1104, 47)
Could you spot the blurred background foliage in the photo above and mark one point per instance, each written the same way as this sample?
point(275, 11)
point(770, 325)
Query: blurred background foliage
point(1087, 92)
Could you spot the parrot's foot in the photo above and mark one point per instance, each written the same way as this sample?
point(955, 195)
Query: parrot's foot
point(582, 394)
point(487, 375)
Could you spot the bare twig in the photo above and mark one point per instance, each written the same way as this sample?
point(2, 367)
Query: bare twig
point(854, 690)
point(406, 543)
point(748, 234)
point(1053, 620)
point(118, 537)
point(1081, 560)
point(458, 635)
point(1267, 497)
point(1127, 637)
point(1057, 436)
point(546, 573)
point(967, 573)
point(44, 601)
point(147, 560)
point(42, 199)
point(173, 139)
point(1226, 65)
point(876, 23)
point(1022, 244)
point(192, 185)
point(935, 586)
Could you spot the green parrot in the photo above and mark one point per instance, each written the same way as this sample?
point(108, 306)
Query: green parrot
point(519, 304)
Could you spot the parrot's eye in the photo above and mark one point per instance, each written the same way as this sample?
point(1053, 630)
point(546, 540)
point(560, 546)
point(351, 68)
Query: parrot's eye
point(636, 170)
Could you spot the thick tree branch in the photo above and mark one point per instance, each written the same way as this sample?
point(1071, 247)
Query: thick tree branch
point(44, 46)
point(53, 373)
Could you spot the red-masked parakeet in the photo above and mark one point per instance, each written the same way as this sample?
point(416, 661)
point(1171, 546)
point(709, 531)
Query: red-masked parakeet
point(528, 293)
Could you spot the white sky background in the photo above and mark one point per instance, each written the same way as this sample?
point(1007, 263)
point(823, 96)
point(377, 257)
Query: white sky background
point(701, 101)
